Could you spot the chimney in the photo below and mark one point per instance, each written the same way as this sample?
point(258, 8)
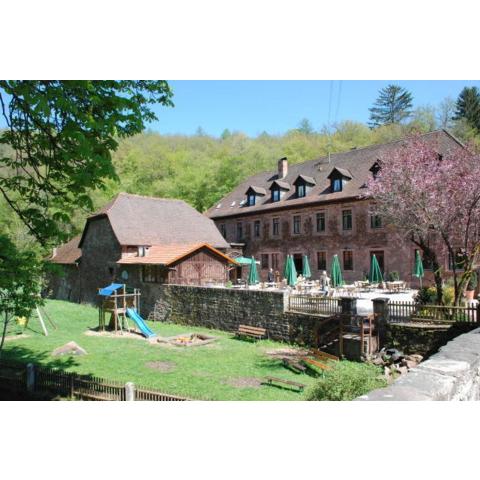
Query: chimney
point(282, 167)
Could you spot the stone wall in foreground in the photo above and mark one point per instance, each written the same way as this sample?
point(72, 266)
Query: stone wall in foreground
point(451, 374)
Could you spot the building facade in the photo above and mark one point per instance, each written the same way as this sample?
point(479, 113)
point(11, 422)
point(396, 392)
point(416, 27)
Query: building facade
point(140, 241)
point(318, 208)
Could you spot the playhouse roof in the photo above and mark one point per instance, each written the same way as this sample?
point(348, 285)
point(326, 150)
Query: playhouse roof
point(138, 220)
point(169, 254)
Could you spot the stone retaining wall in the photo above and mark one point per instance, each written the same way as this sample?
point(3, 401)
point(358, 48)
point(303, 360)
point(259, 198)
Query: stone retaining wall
point(451, 374)
point(226, 309)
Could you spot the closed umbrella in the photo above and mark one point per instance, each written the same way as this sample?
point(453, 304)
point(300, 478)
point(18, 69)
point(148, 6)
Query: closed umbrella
point(306, 267)
point(336, 273)
point(286, 266)
point(292, 272)
point(375, 275)
point(418, 267)
point(253, 274)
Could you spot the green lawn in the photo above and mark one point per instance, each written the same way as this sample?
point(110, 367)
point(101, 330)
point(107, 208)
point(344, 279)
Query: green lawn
point(202, 372)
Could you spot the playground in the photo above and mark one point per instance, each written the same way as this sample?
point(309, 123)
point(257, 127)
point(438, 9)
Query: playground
point(225, 369)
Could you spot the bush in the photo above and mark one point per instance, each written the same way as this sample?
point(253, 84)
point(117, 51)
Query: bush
point(428, 295)
point(393, 276)
point(473, 282)
point(346, 381)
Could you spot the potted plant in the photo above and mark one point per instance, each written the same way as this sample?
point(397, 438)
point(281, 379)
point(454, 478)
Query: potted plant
point(471, 286)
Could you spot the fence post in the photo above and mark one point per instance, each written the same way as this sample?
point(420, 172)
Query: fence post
point(130, 392)
point(380, 313)
point(348, 305)
point(30, 377)
point(478, 312)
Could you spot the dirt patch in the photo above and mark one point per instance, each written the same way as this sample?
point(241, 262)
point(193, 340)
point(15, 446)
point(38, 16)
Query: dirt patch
point(164, 367)
point(93, 332)
point(245, 382)
point(188, 340)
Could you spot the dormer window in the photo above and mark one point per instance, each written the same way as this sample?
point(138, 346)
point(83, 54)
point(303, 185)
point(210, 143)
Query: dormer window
point(338, 177)
point(142, 251)
point(278, 189)
point(252, 194)
point(303, 184)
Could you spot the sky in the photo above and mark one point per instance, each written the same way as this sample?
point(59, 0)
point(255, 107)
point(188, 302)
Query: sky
point(275, 106)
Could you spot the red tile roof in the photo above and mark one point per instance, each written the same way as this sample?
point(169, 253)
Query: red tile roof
point(168, 254)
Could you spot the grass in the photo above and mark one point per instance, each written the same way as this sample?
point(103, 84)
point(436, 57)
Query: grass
point(201, 372)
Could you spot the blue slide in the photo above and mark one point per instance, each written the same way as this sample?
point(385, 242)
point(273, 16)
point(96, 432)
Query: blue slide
point(133, 314)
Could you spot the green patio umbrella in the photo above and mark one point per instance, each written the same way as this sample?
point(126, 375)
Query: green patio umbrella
point(418, 267)
point(336, 273)
point(244, 260)
point(375, 275)
point(286, 267)
point(253, 274)
point(292, 272)
point(306, 267)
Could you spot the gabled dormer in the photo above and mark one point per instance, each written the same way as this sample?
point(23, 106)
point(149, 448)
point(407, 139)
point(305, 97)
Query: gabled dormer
point(253, 193)
point(278, 188)
point(375, 168)
point(303, 185)
point(338, 178)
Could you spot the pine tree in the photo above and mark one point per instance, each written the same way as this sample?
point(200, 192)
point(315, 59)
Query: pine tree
point(468, 107)
point(393, 105)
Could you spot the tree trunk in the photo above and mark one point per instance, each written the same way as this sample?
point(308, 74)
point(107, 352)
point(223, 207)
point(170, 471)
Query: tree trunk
point(437, 272)
point(4, 332)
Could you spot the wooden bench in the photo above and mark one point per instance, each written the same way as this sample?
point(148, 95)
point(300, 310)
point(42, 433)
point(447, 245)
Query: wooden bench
point(322, 355)
point(316, 363)
point(273, 380)
point(251, 332)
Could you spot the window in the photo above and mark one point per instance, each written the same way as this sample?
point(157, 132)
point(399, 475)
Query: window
point(336, 185)
point(301, 190)
point(239, 231)
point(223, 230)
point(154, 274)
point(426, 260)
point(275, 261)
point(321, 260)
point(296, 224)
point(320, 221)
point(142, 251)
point(375, 221)
point(275, 195)
point(347, 219)
point(276, 227)
point(264, 260)
point(256, 228)
point(347, 260)
point(251, 199)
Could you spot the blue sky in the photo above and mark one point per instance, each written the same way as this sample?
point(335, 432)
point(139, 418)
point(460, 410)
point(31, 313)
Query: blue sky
point(277, 106)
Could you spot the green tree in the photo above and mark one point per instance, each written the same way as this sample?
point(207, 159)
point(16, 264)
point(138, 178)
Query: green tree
point(62, 134)
point(20, 283)
point(393, 105)
point(305, 126)
point(468, 107)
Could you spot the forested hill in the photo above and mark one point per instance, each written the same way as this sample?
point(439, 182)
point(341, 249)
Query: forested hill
point(201, 169)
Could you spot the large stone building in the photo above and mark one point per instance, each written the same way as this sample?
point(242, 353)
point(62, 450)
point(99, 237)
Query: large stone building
point(317, 209)
point(141, 241)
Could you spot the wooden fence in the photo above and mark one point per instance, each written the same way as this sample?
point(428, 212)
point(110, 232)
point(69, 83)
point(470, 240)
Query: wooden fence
point(44, 381)
point(316, 305)
point(412, 312)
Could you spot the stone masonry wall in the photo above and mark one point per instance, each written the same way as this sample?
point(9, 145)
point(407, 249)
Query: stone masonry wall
point(226, 309)
point(451, 374)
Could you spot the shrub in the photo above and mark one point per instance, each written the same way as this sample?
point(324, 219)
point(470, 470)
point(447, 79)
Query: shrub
point(473, 282)
point(346, 381)
point(428, 295)
point(393, 276)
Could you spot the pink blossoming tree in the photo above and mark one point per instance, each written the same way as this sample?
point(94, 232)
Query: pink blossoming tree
point(435, 200)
